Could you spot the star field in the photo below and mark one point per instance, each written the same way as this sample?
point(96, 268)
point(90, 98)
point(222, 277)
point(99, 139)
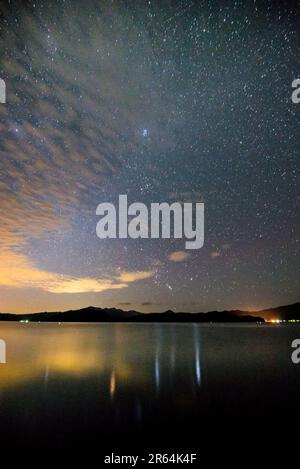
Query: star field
point(184, 101)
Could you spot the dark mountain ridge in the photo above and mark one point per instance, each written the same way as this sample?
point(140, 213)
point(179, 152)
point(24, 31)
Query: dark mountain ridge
point(94, 314)
point(283, 313)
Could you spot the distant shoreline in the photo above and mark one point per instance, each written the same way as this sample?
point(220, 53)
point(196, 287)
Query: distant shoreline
point(288, 313)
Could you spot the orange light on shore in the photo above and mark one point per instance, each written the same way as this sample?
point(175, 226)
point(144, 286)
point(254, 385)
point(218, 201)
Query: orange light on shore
point(112, 384)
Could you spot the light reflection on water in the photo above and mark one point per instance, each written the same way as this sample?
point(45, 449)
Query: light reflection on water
point(114, 379)
point(129, 353)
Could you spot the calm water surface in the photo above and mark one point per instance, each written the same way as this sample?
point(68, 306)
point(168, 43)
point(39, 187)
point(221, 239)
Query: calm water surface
point(154, 385)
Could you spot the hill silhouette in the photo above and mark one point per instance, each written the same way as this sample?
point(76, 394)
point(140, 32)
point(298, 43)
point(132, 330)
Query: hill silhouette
point(94, 314)
point(284, 313)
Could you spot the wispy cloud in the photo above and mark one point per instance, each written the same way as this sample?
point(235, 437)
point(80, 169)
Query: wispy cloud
point(178, 256)
point(83, 285)
point(71, 116)
point(129, 277)
point(215, 254)
point(17, 271)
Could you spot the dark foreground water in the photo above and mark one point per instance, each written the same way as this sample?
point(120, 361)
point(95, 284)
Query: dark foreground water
point(147, 386)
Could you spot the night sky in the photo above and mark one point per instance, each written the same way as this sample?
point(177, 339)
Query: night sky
point(162, 101)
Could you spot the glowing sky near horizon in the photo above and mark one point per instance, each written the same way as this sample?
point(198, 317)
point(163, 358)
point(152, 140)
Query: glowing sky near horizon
point(162, 101)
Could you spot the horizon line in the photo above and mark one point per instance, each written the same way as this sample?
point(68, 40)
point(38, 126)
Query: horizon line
point(155, 312)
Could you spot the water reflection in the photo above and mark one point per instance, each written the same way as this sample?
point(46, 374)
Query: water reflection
point(158, 340)
point(112, 386)
point(197, 354)
point(120, 355)
point(136, 381)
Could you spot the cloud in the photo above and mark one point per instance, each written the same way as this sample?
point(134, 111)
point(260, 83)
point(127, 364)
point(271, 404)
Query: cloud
point(178, 256)
point(83, 285)
point(17, 271)
point(67, 126)
point(214, 254)
point(53, 120)
point(124, 303)
point(70, 118)
point(147, 303)
point(129, 277)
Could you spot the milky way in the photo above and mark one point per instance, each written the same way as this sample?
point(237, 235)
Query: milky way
point(162, 101)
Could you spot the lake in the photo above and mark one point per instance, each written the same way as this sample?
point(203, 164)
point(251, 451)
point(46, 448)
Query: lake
point(146, 385)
